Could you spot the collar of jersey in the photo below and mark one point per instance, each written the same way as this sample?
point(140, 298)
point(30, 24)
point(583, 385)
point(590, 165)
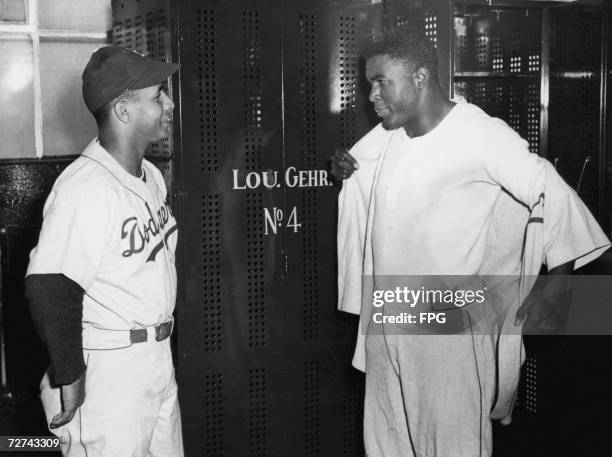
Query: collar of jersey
point(101, 156)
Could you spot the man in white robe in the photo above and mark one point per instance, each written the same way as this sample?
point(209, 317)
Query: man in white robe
point(427, 199)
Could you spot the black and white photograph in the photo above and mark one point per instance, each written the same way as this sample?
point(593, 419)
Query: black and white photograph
point(325, 228)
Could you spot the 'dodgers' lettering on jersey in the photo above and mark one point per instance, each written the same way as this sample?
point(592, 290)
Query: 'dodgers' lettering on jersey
point(139, 236)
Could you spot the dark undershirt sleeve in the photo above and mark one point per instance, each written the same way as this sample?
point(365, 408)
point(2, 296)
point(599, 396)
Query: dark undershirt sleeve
point(56, 305)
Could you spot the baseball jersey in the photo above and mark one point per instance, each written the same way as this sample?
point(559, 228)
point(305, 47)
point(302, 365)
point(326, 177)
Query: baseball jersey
point(115, 235)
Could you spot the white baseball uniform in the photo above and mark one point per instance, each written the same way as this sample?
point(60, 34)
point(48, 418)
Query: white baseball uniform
point(115, 235)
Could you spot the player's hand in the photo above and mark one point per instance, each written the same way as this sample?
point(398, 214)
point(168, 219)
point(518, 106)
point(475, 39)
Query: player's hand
point(546, 309)
point(342, 164)
point(73, 396)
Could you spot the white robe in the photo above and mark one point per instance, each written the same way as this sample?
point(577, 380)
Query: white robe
point(456, 173)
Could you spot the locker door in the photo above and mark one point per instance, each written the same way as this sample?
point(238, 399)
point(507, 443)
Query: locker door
point(230, 316)
point(268, 89)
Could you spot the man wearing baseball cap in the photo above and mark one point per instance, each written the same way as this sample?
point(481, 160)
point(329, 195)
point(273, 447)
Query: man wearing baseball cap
point(101, 282)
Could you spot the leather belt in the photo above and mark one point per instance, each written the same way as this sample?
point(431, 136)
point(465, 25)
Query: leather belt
point(162, 331)
point(96, 338)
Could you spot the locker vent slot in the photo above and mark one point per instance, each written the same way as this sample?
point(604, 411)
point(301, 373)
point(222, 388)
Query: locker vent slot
point(309, 213)
point(312, 314)
point(514, 116)
point(348, 79)
point(352, 423)
point(534, 49)
point(258, 412)
point(401, 21)
point(425, 20)
point(515, 50)
point(533, 116)
point(208, 96)
point(431, 26)
point(482, 49)
point(498, 54)
point(530, 385)
point(255, 272)
point(212, 325)
point(312, 408)
point(252, 86)
point(461, 44)
point(214, 440)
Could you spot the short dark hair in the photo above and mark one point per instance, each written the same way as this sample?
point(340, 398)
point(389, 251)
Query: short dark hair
point(407, 44)
point(102, 114)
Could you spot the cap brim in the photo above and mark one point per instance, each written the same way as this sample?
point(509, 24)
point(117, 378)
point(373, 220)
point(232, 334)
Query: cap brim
point(156, 73)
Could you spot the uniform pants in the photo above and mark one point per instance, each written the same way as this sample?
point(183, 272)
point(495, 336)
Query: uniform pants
point(130, 409)
point(429, 395)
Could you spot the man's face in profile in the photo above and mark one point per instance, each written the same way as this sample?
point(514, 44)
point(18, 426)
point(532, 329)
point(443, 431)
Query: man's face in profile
point(393, 92)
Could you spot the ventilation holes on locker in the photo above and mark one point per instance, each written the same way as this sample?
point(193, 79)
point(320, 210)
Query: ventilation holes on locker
point(352, 418)
point(312, 408)
point(514, 108)
point(497, 95)
point(530, 385)
point(212, 315)
point(307, 89)
point(431, 26)
point(401, 21)
point(534, 50)
point(118, 33)
point(258, 412)
point(214, 439)
point(480, 95)
point(207, 90)
point(128, 34)
point(255, 270)
point(483, 50)
point(310, 296)
point(461, 54)
point(533, 116)
point(498, 54)
point(348, 79)
point(252, 88)
point(139, 41)
point(515, 50)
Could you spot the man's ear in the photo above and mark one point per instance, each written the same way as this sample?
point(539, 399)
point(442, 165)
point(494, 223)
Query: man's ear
point(421, 77)
point(122, 111)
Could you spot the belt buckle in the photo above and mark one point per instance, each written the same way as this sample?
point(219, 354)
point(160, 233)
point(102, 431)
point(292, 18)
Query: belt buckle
point(160, 330)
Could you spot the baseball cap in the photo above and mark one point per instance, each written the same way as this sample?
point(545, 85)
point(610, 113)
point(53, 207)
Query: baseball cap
point(113, 69)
